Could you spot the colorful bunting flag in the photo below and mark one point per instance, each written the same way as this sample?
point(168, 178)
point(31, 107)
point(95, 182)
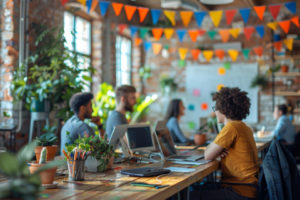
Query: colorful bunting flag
point(129, 10)
point(258, 51)
point(133, 30)
point(248, 32)
point(103, 7)
point(260, 30)
point(212, 34)
point(224, 33)
point(276, 37)
point(94, 5)
point(186, 17)
point(82, 2)
point(157, 33)
point(295, 20)
point(245, 12)
point(229, 14)
point(216, 17)
point(195, 53)
point(63, 2)
point(235, 32)
point(181, 34)
point(291, 6)
point(122, 27)
point(142, 13)
point(147, 45)
point(289, 43)
point(285, 25)
point(274, 10)
point(193, 34)
point(221, 71)
point(246, 53)
point(272, 25)
point(137, 41)
point(201, 32)
point(89, 5)
point(233, 54)
point(260, 10)
point(208, 54)
point(168, 32)
point(171, 16)
point(182, 53)
point(220, 53)
point(199, 16)
point(155, 13)
point(156, 48)
point(117, 8)
point(277, 45)
point(143, 32)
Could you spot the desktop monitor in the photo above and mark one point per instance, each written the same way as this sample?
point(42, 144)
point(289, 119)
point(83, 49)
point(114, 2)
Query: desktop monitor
point(117, 135)
point(140, 138)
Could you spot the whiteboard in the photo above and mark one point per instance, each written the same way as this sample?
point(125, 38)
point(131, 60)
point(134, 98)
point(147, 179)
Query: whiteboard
point(203, 80)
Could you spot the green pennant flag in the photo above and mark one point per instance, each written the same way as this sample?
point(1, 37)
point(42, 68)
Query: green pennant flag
point(212, 34)
point(143, 32)
point(181, 63)
point(227, 65)
point(246, 53)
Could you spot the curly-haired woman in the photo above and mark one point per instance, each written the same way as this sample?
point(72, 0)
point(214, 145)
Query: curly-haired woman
point(236, 147)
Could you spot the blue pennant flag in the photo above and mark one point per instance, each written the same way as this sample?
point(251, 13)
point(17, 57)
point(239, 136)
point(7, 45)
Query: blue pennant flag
point(245, 12)
point(133, 30)
point(103, 7)
point(199, 16)
point(260, 30)
point(276, 37)
point(89, 5)
point(291, 6)
point(147, 45)
point(155, 13)
point(181, 34)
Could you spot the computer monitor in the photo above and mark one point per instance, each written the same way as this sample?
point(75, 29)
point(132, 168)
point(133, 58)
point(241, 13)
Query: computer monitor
point(117, 135)
point(140, 138)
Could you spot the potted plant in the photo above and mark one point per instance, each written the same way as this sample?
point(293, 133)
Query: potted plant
point(168, 85)
point(260, 81)
point(284, 68)
point(200, 136)
point(20, 183)
point(48, 140)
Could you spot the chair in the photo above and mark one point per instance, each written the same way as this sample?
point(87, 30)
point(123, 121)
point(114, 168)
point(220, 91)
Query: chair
point(37, 116)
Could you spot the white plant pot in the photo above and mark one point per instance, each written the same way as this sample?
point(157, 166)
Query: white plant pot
point(91, 164)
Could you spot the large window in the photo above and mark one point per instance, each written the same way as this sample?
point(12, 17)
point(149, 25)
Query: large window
point(77, 32)
point(123, 61)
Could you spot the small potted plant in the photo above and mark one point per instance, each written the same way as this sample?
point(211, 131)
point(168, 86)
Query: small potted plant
point(260, 81)
point(284, 68)
point(200, 136)
point(48, 140)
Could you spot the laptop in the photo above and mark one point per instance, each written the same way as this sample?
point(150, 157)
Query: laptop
point(168, 147)
point(145, 171)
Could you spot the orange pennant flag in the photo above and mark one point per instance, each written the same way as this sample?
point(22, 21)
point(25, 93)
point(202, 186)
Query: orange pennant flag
point(220, 53)
point(186, 17)
point(201, 32)
point(193, 34)
point(182, 53)
point(235, 32)
point(216, 17)
point(224, 33)
point(258, 51)
point(277, 45)
point(137, 41)
point(260, 10)
point(117, 8)
point(272, 25)
point(143, 13)
point(295, 20)
point(168, 32)
point(195, 53)
point(94, 5)
point(285, 25)
point(289, 43)
point(156, 48)
point(157, 33)
point(129, 10)
point(171, 16)
point(208, 54)
point(233, 54)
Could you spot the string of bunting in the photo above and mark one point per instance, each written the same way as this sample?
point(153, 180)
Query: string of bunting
point(186, 16)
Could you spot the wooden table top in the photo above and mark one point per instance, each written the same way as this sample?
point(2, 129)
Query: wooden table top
point(114, 185)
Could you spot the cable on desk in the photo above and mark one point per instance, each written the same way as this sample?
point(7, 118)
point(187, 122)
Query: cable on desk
point(162, 175)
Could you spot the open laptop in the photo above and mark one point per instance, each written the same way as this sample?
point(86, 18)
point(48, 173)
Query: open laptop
point(168, 147)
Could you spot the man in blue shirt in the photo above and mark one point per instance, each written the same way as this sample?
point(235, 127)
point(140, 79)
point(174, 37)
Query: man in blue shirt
point(284, 130)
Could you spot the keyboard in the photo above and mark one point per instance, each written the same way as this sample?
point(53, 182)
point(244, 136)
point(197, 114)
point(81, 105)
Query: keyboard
point(145, 171)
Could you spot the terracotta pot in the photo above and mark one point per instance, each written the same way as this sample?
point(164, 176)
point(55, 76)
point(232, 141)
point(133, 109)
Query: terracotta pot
point(51, 152)
point(284, 68)
point(199, 139)
point(110, 162)
point(47, 176)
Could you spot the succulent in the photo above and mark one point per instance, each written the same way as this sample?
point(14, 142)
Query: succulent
point(43, 156)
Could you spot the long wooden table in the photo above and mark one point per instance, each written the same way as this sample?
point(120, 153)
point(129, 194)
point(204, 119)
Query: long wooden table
point(113, 185)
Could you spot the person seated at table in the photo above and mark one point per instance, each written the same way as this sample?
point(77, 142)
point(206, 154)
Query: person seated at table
point(236, 146)
point(174, 113)
point(126, 99)
point(81, 105)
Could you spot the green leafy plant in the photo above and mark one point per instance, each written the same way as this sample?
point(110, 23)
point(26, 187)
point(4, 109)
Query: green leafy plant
point(145, 72)
point(81, 143)
point(20, 184)
point(259, 80)
point(48, 138)
point(168, 83)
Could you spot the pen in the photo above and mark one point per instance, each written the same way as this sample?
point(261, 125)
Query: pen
point(148, 185)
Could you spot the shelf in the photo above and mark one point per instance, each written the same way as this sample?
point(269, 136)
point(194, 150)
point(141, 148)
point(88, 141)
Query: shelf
point(287, 74)
point(287, 93)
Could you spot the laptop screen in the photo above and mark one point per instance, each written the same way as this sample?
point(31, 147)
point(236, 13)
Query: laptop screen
point(140, 138)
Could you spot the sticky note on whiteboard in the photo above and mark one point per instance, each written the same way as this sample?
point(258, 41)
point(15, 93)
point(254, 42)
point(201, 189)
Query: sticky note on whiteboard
point(204, 106)
point(191, 107)
point(196, 92)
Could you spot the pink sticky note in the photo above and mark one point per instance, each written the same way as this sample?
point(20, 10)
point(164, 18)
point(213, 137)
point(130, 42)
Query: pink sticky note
point(196, 92)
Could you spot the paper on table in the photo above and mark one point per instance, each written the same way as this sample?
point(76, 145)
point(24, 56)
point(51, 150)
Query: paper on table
point(201, 162)
point(180, 169)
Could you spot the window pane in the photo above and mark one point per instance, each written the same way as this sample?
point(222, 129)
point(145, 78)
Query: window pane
point(83, 36)
point(68, 30)
point(123, 60)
